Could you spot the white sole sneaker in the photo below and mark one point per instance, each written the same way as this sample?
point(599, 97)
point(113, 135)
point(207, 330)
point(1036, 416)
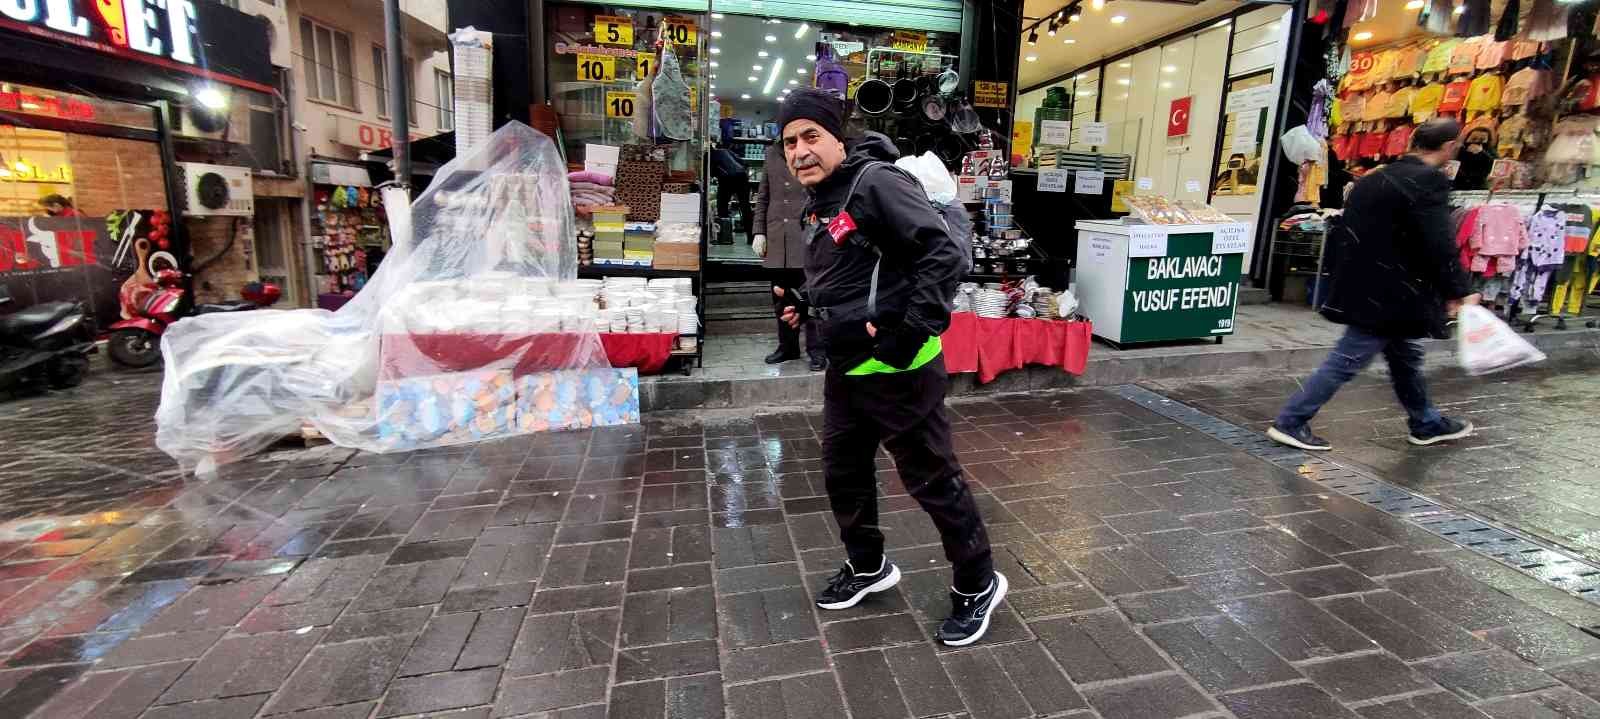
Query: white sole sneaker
point(1463, 434)
point(880, 585)
point(1282, 438)
point(1001, 585)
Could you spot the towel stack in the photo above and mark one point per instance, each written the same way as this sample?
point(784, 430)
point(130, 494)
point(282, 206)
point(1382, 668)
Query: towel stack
point(591, 189)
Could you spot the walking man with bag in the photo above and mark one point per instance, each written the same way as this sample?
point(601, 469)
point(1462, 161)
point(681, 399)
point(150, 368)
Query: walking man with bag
point(881, 271)
point(1396, 278)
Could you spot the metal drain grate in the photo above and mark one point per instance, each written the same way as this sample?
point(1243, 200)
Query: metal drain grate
point(1532, 557)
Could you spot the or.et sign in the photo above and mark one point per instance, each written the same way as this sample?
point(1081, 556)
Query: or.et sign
point(365, 135)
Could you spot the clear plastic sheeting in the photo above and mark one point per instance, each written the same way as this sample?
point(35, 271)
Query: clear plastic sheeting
point(474, 327)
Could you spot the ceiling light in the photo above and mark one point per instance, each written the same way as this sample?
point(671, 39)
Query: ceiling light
point(1459, 9)
point(1169, 69)
point(777, 67)
point(1097, 5)
point(753, 78)
point(793, 82)
point(1032, 58)
point(1068, 41)
point(744, 96)
point(763, 53)
point(799, 71)
point(713, 76)
point(1414, 5)
point(714, 63)
point(713, 86)
point(716, 33)
point(1124, 64)
point(1166, 85)
point(1082, 77)
point(211, 98)
point(1123, 96)
point(1085, 93)
point(801, 31)
point(757, 68)
point(1118, 19)
point(1222, 23)
point(772, 38)
point(1362, 36)
point(716, 50)
point(716, 16)
point(1052, 30)
point(1124, 81)
point(1076, 16)
point(1033, 37)
point(811, 58)
point(774, 21)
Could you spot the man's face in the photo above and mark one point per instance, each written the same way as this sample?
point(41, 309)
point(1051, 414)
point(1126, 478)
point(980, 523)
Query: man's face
point(52, 209)
point(812, 153)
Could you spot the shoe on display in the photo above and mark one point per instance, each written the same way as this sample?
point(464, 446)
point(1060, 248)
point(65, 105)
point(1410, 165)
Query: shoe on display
point(1300, 438)
point(970, 613)
point(818, 363)
point(847, 588)
point(782, 354)
point(1444, 430)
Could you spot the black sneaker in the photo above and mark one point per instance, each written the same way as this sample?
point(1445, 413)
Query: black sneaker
point(969, 613)
point(781, 355)
point(1299, 438)
point(819, 362)
point(1444, 430)
point(846, 589)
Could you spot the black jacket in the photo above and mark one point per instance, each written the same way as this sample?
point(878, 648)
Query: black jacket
point(1393, 255)
point(921, 262)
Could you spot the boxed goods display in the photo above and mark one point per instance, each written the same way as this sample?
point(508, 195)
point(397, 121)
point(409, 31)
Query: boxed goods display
point(577, 399)
point(449, 408)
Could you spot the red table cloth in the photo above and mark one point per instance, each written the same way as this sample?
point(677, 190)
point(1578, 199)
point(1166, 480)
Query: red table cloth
point(425, 354)
point(990, 347)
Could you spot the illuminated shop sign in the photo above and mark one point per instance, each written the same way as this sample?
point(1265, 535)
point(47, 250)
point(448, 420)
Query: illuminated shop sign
point(159, 28)
point(66, 108)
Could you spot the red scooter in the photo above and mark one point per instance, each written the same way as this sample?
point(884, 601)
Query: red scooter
point(136, 341)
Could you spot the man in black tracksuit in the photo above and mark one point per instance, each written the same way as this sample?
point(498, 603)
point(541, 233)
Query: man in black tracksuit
point(881, 271)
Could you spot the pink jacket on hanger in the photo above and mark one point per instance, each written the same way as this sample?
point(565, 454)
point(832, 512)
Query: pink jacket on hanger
point(1494, 231)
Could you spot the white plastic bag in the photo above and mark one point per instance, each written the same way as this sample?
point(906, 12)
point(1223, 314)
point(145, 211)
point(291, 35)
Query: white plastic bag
point(1488, 344)
point(936, 180)
point(1300, 146)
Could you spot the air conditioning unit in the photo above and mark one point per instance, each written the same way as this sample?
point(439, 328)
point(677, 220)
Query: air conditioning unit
point(216, 190)
point(282, 52)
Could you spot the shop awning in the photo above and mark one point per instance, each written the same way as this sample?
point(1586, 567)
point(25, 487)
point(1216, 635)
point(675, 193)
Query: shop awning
point(436, 150)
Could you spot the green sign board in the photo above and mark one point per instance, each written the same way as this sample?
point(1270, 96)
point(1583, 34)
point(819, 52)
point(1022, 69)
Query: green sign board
point(1186, 294)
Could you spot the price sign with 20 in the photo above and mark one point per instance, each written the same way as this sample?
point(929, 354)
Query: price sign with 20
point(596, 68)
point(680, 31)
point(620, 104)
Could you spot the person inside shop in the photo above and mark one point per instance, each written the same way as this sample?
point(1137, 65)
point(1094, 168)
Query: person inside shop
point(58, 206)
point(1395, 279)
point(733, 185)
point(1477, 160)
point(782, 246)
point(880, 274)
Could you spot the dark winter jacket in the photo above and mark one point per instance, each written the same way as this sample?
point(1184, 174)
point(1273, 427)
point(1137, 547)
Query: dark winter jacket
point(921, 262)
point(1393, 255)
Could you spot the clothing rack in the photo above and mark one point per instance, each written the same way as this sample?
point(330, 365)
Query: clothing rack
point(1532, 201)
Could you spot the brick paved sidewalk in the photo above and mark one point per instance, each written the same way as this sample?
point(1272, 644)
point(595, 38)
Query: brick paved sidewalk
point(666, 572)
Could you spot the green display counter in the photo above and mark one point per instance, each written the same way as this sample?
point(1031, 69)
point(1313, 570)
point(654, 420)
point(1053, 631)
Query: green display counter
point(1159, 283)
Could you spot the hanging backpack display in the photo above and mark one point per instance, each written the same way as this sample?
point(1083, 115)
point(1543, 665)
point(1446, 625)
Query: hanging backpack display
point(670, 100)
point(830, 75)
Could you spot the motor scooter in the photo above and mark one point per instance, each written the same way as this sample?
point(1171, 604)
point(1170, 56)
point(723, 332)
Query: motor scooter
point(47, 344)
point(136, 341)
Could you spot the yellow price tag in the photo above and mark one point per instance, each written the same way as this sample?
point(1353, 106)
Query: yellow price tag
point(596, 68)
point(643, 64)
point(909, 41)
point(620, 104)
point(613, 30)
point(680, 31)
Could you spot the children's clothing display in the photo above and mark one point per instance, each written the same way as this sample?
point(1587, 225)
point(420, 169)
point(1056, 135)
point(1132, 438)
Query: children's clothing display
point(1543, 256)
point(1490, 238)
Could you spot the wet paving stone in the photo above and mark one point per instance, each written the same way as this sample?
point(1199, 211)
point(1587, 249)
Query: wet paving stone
point(668, 571)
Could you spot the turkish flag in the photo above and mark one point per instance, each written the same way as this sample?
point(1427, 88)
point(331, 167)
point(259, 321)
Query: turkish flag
point(1178, 117)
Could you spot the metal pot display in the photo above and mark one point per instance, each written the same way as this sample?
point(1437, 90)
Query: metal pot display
point(905, 94)
point(874, 97)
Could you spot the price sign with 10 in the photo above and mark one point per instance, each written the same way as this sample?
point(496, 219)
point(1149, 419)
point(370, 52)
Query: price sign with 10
point(596, 68)
point(620, 104)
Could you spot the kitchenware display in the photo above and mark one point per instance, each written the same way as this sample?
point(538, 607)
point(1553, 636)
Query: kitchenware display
point(905, 94)
point(874, 97)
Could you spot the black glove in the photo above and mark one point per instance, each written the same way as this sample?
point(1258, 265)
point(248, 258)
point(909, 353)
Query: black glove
point(792, 298)
point(898, 347)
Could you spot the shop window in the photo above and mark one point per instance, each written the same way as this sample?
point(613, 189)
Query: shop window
point(330, 70)
point(444, 99)
point(380, 70)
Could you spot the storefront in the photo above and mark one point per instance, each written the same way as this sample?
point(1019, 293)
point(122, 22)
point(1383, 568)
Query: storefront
point(128, 145)
point(1524, 83)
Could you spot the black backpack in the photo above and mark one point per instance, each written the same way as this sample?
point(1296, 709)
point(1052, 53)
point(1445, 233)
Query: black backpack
point(957, 225)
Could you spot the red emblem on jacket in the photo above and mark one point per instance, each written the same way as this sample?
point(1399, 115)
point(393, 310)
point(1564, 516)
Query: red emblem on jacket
point(841, 227)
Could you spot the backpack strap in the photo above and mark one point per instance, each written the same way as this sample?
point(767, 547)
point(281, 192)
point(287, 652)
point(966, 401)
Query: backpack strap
point(872, 289)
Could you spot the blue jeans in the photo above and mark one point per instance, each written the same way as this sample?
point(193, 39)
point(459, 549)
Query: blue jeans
point(1353, 353)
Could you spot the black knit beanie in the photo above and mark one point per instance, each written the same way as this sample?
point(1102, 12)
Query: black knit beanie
point(819, 106)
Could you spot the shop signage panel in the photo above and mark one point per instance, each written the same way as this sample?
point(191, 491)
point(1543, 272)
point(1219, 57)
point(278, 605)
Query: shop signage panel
point(680, 31)
point(1193, 186)
point(909, 40)
point(1178, 116)
point(81, 259)
point(1189, 292)
point(173, 34)
point(642, 64)
point(1090, 182)
point(1119, 190)
point(1254, 98)
point(1146, 183)
point(620, 104)
point(596, 68)
point(1231, 238)
point(367, 136)
point(990, 94)
point(1147, 241)
point(1096, 134)
point(1052, 180)
point(613, 30)
point(1055, 132)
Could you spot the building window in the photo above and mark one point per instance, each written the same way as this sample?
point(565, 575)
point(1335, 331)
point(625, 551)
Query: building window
point(444, 96)
point(330, 71)
point(380, 68)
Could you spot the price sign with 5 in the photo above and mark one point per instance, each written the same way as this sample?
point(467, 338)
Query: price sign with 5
point(620, 104)
point(596, 68)
point(680, 31)
point(613, 30)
